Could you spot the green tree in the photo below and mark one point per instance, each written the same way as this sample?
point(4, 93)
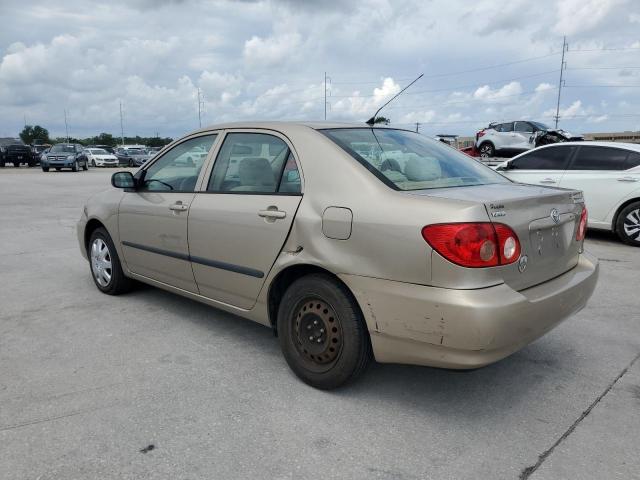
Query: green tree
point(383, 120)
point(34, 134)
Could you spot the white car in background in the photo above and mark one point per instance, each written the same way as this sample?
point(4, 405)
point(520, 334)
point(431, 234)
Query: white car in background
point(99, 157)
point(607, 172)
point(511, 138)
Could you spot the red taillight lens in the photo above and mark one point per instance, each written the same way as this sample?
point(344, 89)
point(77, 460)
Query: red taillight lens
point(474, 245)
point(582, 226)
point(479, 134)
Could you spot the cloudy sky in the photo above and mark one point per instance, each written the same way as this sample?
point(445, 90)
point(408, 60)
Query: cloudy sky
point(482, 61)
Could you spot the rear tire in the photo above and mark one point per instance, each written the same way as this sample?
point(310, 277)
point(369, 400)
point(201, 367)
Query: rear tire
point(58, 169)
point(628, 224)
point(487, 150)
point(45, 169)
point(75, 167)
point(322, 333)
point(85, 166)
point(93, 163)
point(106, 269)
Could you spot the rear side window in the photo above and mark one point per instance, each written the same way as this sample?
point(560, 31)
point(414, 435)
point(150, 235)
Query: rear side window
point(254, 163)
point(600, 158)
point(552, 158)
point(409, 161)
point(505, 127)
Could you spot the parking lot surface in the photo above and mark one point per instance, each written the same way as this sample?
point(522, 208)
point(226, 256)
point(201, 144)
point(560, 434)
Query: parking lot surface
point(151, 385)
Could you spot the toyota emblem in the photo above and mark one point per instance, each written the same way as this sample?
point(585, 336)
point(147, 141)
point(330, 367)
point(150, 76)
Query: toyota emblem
point(555, 215)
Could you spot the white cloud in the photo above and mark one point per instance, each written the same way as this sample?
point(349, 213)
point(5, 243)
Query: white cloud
point(271, 51)
point(504, 93)
point(575, 16)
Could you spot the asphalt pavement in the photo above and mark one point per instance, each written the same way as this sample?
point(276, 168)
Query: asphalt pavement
point(151, 385)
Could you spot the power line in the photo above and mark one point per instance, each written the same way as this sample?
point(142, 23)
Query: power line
point(603, 49)
point(602, 86)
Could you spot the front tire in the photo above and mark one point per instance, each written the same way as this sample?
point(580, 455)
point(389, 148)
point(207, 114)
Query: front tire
point(85, 166)
point(322, 334)
point(487, 150)
point(93, 163)
point(105, 266)
point(628, 224)
point(45, 169)
point(75, 167)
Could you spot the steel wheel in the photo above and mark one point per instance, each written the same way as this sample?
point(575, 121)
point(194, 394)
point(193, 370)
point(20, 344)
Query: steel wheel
point(631, 225)
point(101, 262)
point(317, 334)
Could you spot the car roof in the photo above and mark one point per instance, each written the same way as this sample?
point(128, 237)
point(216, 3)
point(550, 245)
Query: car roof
point(283, 126)
point(588, 143)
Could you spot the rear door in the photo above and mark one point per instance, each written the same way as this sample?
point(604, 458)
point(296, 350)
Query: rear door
point(541, 166)
point(600, 172)
point(153, 218)
point(240, 220)
point(522, 133)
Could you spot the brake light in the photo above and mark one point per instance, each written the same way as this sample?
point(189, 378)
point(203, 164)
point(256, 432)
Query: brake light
point(474, 245)
point(480, 134)
point(582, 226)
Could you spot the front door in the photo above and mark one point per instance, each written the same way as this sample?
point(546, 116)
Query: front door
point(542, 166)
point(523, 133)
point(153, 219)
point(237, 227)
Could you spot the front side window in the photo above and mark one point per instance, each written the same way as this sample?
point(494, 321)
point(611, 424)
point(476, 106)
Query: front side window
point(178, 169)
point(255, 163)
point(409, 161)
point(552, 158)
point(600, 158)
point(523, 127)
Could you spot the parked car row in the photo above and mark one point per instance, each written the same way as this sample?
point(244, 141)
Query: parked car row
point(14, 151)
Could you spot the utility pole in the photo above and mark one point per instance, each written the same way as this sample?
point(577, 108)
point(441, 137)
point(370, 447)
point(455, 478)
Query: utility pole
point(325, 95)
point(563, 65)
point(417, 127)
point(25, 119)
point(199, 109)
point(66, 125)
point(121, 125)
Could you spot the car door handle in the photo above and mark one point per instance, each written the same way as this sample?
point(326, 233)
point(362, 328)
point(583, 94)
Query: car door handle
point(275, 214)
point(547, 180)
point(627, 179)
point(179, 207)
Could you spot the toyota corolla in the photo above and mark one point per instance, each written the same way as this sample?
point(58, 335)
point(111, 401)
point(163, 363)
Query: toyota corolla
point(350, 242)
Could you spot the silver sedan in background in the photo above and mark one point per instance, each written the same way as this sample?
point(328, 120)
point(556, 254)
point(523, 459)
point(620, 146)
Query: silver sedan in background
point(351, 242)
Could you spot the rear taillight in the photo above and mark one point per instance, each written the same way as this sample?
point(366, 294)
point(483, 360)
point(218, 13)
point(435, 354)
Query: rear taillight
point(474, 245)
point(479, 134)
point(582, 226)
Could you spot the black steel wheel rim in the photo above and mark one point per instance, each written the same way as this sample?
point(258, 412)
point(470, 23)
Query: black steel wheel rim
point(317, 334)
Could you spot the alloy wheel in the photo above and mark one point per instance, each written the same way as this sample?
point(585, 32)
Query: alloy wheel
point(631, 225)
point(101, 262)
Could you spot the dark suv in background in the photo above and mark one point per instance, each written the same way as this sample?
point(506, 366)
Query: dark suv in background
point(65, 155)
point(13, 150)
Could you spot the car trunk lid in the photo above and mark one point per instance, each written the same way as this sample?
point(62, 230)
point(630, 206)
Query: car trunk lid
point(545, 220)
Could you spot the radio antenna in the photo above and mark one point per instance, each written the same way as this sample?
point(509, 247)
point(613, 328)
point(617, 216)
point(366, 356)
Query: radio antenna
point(372, 120)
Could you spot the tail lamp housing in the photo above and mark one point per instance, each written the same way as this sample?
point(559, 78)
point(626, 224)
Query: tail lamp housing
point(475, 244)
point(582, 226)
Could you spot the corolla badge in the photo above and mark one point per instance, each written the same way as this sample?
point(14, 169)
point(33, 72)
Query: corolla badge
point(522, 263)
point(555, 215)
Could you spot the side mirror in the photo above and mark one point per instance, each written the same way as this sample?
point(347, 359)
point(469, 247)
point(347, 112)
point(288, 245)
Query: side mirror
point(123, 180)
point(503, 167)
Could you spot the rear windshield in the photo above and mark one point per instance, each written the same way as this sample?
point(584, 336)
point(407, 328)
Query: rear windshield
point(410, 161)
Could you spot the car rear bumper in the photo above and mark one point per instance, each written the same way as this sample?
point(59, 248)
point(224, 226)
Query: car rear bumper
point(463, 329)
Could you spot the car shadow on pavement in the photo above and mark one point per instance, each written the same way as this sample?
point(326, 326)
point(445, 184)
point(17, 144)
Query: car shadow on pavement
point(470, 393)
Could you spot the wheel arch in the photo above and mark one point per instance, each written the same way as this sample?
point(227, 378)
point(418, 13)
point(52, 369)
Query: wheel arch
point(625, 204)
point(493, 145)
point(89, 228)
point(286, 277)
